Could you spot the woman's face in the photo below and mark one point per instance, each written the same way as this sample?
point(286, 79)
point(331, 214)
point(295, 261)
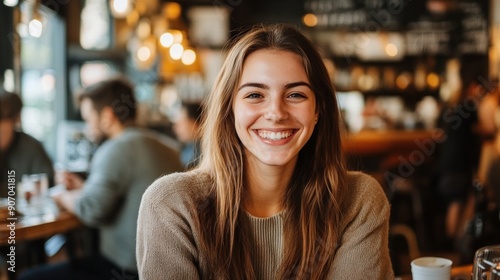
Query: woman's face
point(274, 107)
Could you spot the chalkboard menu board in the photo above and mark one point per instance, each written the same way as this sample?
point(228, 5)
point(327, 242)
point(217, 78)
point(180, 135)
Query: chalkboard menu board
point(460, 29)
point(474, 23)
point(352, 14)
point(429, 37)
point(361, 15)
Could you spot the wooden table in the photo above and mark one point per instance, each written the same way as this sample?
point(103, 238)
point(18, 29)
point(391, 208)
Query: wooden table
point(457, 273)
point(27, 228)
point(32, 229)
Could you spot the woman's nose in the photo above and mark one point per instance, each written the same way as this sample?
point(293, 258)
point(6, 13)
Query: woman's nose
point(276, 110)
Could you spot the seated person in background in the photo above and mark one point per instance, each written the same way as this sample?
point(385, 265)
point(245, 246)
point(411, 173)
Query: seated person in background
point(457, 157)
point(186, 128)
point(123, 166)
point(489, 165)
point(488, 124)
point(19, 152)
point(271, 197)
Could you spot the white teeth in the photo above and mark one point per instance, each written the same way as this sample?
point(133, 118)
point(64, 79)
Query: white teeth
point(275, 135)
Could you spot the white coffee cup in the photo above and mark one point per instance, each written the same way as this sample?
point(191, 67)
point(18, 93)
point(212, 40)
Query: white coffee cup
point(431, 268)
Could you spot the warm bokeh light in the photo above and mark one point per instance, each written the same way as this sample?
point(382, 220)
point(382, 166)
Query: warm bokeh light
point(120, 8)
point(391, 49)
point(10, 3)
point(143, 53)
point(35, 28)
point(143, 28)
point(403, 80)
point(173, 10)
point(310, 20)
point(22, 30)
point(433, 80)
point(176, 51)
point(133, 18)
point(178, 37)
point(167, 39)
point(188, 57)
point(170, 37)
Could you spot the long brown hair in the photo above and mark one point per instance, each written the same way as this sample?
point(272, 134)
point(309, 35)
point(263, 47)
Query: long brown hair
point(313, 198)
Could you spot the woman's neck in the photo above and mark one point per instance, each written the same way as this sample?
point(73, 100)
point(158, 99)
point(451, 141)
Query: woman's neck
point(265, 189)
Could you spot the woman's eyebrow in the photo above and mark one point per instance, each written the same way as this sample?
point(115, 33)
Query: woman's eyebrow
point(257, 85)
point(263, 86)
point(297, 84)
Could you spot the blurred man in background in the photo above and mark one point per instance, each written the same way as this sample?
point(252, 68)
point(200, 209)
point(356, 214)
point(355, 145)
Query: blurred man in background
point(123, 166)
point(186, 128)
point(19, 152)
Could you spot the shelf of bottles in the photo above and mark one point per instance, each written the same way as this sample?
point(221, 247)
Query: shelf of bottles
point(384, 47)
point(410, 76)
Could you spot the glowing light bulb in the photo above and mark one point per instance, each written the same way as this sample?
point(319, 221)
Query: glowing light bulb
point(188, 57)
point(35, 28)
point(391, 49)
point(433, 80)
point(166, 39)
point(176, 51)
point(10, 3)
point(143, 53)
point(120, 8)
point(310, 20)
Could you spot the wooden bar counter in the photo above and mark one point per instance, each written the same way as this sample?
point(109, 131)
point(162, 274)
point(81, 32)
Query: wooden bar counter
point(383, 142)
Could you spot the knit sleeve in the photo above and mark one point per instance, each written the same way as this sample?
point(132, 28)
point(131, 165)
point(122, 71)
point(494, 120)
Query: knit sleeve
point(165, 242)
point(363, 251)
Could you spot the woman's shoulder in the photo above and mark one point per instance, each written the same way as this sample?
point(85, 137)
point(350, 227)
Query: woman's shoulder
point(362, 185)
point(364, 180)
point(179, 187)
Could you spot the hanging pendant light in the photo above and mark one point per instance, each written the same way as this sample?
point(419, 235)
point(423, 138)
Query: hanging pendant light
point(120, 8)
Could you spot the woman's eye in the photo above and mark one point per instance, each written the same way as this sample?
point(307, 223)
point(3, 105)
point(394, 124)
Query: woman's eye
point(296, 95)
point(253, 95)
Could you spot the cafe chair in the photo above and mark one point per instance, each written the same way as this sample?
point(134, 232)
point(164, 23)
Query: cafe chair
point(409, 236)
point(402, 253)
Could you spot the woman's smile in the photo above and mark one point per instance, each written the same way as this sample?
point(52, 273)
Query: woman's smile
point(275, 135)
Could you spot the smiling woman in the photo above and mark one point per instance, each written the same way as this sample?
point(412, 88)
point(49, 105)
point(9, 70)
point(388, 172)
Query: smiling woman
point(271, 197)
point(274, 109)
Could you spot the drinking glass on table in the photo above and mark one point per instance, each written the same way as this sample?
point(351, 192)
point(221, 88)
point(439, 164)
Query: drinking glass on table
point(33, 193)
point(487, 263)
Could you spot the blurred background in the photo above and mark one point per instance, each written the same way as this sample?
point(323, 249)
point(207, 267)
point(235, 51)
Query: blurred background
point(397, 65)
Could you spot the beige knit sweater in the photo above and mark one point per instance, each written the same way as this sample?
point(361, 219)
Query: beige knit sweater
point(167, 240)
